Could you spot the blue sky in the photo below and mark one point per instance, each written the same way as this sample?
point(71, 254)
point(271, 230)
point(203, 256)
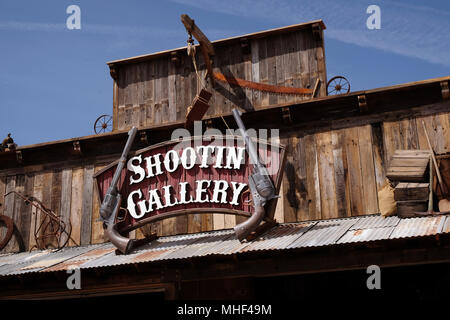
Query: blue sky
point(54, 82)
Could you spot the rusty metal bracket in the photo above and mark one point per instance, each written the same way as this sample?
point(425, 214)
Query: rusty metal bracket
point(286, 114)
point(19, 157)
point(77, 147)
point(362, 103)
point(444, 89)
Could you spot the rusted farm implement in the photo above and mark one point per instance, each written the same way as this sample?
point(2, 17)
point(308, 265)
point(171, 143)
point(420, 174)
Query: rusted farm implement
point(48, 226)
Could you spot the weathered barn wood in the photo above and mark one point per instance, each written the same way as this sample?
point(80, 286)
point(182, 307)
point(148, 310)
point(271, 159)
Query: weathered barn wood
point(157, 89)
point(337, 157)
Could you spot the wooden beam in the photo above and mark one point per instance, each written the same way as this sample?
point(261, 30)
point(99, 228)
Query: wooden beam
point(205, 45)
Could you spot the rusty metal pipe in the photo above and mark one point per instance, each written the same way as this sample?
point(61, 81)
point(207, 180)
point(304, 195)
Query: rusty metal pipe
point(244, 229)
point(122, 243)
point(125, 245)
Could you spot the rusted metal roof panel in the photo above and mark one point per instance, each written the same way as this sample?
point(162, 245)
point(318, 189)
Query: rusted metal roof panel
point(224, 242)
point(162, 247)
point(279, 238)
point(375, 221)
point(204, 245)
point(324, 233)
point(418, 227)
point(364, 235)
point(41, 260)
point(446, 227)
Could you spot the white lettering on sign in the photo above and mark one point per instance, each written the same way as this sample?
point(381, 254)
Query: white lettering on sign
point(138, 207)
point(202, 191)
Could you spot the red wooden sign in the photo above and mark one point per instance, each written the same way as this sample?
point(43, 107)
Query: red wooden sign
point(195, 175)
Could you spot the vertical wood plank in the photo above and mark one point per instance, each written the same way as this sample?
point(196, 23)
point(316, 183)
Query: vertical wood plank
point(25, 222)
point(313, 186)
point(128, 117)
point(9, 210)
point(2, 202)
point(36, 214)
point(354, 171)
point(86, 218)
point(56, 198)
point(279, 66)
point(76, 206)
point(321, 65)
point(378, 155)
point(326, 175)
point(12, 203)
point(97, 235)
point(369, 186)
point(121, 117)
point(271, 68)
point(66, 197)
point(302, 42)
point(291, 181)
point(135, 115)
point(263, 70)
point(172, 92)
point(256, 95)
point(47, 201)
point(340, 165)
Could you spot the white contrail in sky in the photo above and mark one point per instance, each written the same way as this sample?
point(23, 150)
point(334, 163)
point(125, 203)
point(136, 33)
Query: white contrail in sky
point(408, 30)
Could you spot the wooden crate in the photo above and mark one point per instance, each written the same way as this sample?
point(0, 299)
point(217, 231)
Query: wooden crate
point(409, 166)
point(407, 209)
point(406, 191)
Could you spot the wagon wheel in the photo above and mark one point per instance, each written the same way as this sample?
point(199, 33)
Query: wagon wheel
point(338, 85)
point(103, 124)
point(7, 221)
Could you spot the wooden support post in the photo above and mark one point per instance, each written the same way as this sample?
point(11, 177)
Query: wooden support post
point(444, 89)
point(362, 103)
point(316, 86)
point(286, 114)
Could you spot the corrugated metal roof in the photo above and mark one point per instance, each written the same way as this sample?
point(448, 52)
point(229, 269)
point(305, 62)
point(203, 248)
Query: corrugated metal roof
point(224, 242)
point(446, 228)
point(376, 221)
point(364, 235)
point(418, 227)
point(324, 233)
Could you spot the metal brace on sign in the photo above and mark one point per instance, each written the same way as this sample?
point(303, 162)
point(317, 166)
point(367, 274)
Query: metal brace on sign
point(362, 103)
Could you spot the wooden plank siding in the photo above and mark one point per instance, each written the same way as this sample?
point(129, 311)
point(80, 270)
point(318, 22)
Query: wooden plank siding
point(328, 174)
point(159, 91)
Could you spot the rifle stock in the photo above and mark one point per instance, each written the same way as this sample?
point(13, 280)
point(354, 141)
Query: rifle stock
point(260, 184)
point(111, 203)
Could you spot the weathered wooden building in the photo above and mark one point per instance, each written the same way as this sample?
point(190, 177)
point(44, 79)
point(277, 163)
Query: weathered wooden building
point(338, 147)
